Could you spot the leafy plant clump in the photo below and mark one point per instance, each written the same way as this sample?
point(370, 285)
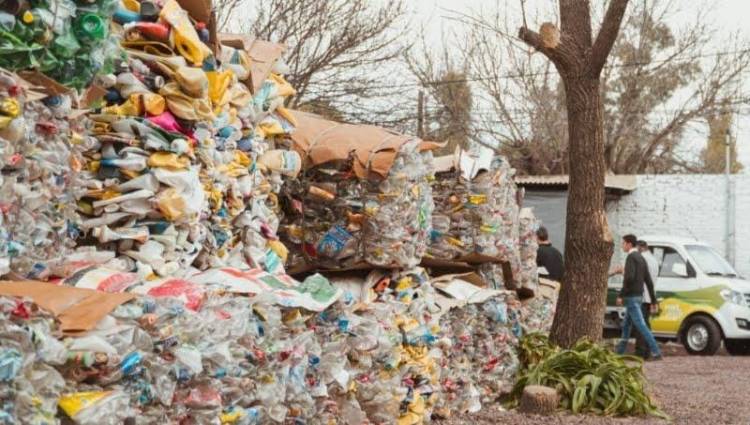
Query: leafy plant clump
point(588, 377)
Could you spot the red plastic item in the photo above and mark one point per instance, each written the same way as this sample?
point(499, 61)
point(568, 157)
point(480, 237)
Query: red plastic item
point(21, 310)
point(153, 31)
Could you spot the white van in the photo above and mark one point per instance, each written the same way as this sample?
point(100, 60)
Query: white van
point(702, 299)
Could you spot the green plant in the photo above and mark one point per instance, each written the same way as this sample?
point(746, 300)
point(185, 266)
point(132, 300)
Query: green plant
point(533, 348)
point(588, 377)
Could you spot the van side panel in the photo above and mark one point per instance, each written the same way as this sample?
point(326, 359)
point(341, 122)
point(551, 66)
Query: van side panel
point(676, 306)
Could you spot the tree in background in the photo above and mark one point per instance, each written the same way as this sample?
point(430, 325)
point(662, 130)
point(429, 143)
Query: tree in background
point(449, 103)
point(336, 53)
point(579, 58)
point(657, 82)
point(714, 154)
point(453, 112)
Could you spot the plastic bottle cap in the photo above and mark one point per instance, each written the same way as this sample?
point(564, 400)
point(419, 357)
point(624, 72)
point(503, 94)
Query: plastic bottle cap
point(28, 17)
point(92, 25)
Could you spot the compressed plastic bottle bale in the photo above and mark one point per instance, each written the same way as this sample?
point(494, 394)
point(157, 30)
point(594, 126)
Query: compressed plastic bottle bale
point(200, 177)
point(528, 274)
point(398, 220)
point(39, 152)
point(480, 362)
point(475, 210)
point(335, 220)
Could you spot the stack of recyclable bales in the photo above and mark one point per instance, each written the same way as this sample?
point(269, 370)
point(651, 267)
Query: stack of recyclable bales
point(395, 352)
point(39, 144)
point(363, 198)
point(180, 174)
point(234, 360)
point(176, 198)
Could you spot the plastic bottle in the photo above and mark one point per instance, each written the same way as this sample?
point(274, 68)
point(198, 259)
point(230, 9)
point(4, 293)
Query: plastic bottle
point(124, 16)
point(149, 11)
point(104, 234)
point(129, 162)
point(7, 21)
point(90, 27)
point(153, 30)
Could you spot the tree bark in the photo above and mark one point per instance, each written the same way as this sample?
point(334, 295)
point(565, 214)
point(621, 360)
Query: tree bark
point(539, 400)
point(588, 243)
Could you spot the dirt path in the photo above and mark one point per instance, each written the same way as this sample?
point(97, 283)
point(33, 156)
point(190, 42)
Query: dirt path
point(692, 390)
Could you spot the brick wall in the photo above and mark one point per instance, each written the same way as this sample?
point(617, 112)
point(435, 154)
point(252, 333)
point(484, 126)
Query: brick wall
point(690, 206)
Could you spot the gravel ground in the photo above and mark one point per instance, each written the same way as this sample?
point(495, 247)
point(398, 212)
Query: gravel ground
point(690, 389)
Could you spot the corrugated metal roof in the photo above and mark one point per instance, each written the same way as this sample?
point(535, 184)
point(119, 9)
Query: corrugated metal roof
point(626, 183)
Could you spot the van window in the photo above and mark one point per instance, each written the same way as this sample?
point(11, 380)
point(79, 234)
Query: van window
point(668, 258)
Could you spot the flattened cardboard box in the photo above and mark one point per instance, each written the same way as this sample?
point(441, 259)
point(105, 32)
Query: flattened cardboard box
point(374, 149)
point(77, 310)
point(263, 55)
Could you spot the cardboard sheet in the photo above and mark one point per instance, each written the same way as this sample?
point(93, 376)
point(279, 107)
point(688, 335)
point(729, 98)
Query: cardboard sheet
point(262, 53)
point(78, 310)
point(200, 10)
point(44, 83)
point(470, 166)
point(373, 149)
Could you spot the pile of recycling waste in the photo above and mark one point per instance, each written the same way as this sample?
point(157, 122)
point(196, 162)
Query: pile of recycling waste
point(390, 347)
point(176, 167)
point(154, 193)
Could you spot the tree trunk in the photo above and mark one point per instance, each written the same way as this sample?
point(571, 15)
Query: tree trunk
point(588, 243)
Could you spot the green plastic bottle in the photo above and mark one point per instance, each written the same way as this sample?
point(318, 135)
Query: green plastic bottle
point(90, 27)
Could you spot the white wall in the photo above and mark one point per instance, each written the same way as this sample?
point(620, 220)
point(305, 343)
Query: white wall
point(687, 205)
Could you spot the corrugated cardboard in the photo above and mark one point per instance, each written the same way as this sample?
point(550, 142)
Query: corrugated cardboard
point(44, 83)
point(92, 95)
point(372, 148)
point(263, 54)
point(471, 277)
point(200, 10)
point(77, 310)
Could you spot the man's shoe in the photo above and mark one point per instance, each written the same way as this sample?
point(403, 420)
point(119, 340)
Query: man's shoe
point(655, 358)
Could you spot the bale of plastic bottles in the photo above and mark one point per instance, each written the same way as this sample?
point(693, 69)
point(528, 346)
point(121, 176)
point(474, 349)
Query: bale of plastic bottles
point(363, 198)
point(475, 215)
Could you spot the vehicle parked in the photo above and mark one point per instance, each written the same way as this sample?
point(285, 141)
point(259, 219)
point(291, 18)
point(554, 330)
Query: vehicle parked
point(702, 300)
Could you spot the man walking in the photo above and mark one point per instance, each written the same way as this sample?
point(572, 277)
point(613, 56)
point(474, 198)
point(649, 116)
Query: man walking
point(548, 256)
point(641, 348)
point(631, 296)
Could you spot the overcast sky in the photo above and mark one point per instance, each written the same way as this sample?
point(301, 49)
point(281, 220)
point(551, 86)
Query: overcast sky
point(727, 15)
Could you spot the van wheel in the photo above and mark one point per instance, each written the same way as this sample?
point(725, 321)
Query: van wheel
point(701, 336)
point(737, 347)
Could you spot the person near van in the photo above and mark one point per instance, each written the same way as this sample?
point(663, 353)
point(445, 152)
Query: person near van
point(641, 348)
point(635, 275)
point(548, 256)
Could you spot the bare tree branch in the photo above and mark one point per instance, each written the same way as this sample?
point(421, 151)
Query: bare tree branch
point(607, 35)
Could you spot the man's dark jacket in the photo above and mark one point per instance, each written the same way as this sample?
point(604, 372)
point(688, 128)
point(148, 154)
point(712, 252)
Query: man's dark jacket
point(550, 258)
point(635, 275)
